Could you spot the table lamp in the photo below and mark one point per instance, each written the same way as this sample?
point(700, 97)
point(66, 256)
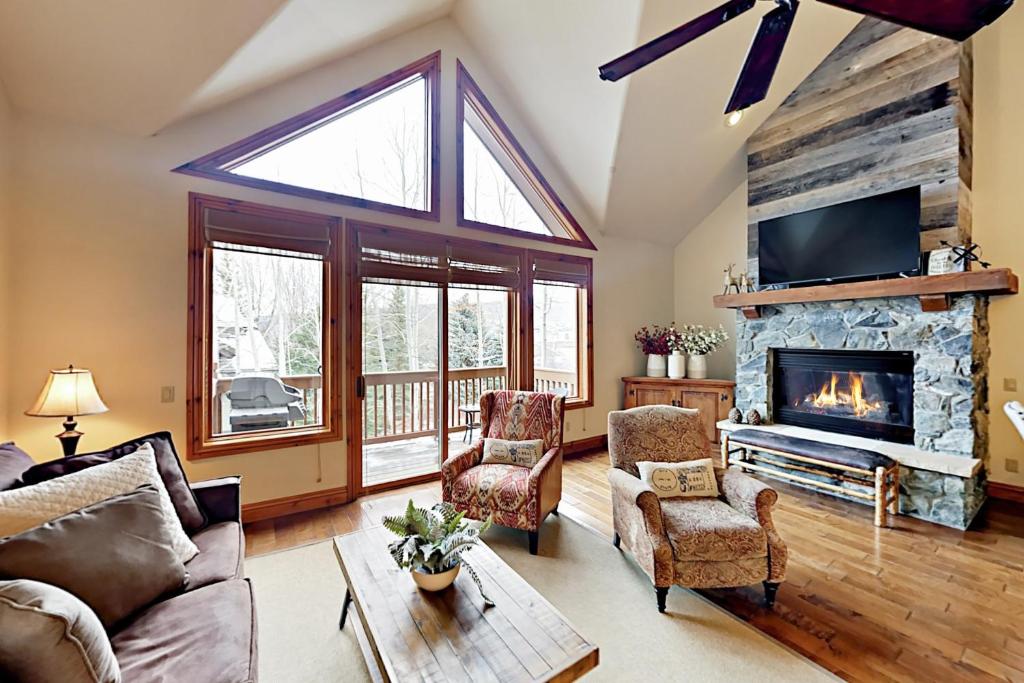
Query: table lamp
point(68, 392)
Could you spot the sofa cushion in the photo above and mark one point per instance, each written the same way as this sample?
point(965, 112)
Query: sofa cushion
point(13, 463)
point(28, 506)
point(848, 456)
point(710, 529)
point(167, 463)
point(47, 634)
point(501, 490)
point(221, 547)
point(116, 555)
point(208, 634)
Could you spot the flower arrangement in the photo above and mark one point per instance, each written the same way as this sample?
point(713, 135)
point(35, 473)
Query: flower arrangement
point(698, 340)
point(653, 341)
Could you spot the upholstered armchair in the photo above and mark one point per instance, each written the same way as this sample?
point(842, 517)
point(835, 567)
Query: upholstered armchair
point(518, 497)
point(720, 542)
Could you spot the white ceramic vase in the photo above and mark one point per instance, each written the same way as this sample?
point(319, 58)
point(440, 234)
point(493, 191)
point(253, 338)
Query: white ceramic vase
point(677, 365)
point(436, 582)
point(697, 367)
point(656, 365)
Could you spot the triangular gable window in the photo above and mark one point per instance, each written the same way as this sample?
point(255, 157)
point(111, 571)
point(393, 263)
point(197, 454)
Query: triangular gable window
point(499, 188)
point(374, 147)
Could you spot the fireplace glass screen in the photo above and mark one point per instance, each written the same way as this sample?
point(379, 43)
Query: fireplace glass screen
point(864, 393)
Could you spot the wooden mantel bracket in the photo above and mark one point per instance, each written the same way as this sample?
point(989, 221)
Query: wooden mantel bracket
point(935, 292)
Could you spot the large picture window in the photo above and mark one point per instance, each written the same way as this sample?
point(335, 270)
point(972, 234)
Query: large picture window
point(264, 297)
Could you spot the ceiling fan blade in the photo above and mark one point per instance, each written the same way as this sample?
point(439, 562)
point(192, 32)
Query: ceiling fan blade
point(954, 19)
point(763, 57)
point(673, 40)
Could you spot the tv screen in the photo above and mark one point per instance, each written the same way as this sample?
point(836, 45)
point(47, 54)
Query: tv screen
point(872, 237)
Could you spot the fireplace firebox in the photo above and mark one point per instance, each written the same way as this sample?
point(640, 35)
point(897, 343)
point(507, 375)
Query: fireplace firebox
point(864, 393)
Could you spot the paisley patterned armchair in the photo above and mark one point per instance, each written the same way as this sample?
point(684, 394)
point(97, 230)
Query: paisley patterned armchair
point(691, 542)
point(518, 497)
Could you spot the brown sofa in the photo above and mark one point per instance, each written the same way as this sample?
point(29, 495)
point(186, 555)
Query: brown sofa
point(206, 632)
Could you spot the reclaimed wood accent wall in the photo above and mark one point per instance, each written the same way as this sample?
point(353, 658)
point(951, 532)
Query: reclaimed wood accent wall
point(889, 108)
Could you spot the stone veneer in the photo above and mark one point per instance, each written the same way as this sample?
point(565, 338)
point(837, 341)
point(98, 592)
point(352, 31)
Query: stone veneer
point(950, 380)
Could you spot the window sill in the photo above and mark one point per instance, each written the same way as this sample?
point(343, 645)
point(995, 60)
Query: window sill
point(575, 403)
point(257, 442)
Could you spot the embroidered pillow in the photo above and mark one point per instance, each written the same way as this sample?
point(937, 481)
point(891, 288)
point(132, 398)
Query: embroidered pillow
point(29, 506)
point(689, 479)
point(523, 453)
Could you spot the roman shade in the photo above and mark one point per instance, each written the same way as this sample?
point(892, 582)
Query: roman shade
point(561, 270)
point(296, 233)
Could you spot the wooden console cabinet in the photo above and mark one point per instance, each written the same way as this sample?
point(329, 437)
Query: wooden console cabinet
point(712, 397)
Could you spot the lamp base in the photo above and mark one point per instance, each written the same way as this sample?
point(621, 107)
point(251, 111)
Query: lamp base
point(69, 437)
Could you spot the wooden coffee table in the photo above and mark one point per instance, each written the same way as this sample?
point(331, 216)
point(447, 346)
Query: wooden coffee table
point(413, 635)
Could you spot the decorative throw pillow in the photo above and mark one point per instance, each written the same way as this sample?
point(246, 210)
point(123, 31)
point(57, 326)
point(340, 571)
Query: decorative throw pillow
point(688, 479)
point(167, 463)
point(523, 453)
point(115, 556)
point(29, 506)
point(47, 634)
point(13, 463)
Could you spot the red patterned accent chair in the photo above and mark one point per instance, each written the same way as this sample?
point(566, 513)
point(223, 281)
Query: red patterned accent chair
point(518, 497)
point(719, 542)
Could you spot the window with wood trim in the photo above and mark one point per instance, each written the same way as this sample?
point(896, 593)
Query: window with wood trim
point(499, 188)
point(263, 298)
point(374, 147)
point(561, 296)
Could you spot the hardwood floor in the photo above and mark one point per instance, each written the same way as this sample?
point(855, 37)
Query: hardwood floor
point(917, 602)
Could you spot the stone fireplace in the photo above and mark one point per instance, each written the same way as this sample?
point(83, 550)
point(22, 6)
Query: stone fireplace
point(947, 415)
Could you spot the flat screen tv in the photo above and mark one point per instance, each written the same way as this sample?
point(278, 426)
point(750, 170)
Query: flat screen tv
point(878, 236)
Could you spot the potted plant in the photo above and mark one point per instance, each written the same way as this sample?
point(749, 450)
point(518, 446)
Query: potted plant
point(699, 341)
point(431, 544)
point(653, 341)
point(677, 345)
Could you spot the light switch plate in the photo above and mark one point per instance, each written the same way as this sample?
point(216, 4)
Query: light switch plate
point(1009, 384)
point(1012, 465)
point(167, 394)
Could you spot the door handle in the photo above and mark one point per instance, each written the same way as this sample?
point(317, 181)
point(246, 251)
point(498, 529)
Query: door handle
point(360, 387)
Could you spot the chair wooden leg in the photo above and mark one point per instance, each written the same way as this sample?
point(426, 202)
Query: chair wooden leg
point(616, 539)
point(770, 589)
point(662, 594)
point(534, 540)
point(554, 510)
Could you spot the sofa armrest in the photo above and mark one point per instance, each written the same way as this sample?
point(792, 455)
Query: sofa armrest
point(636, 515)
point(220, 499)
point(456, 465)
point(756, 499)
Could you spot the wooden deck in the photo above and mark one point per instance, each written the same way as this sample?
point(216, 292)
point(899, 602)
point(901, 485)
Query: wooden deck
point(398, 460)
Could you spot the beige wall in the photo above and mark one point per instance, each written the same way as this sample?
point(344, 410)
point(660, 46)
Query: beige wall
point(700, 260)
point(6, 179)
point(101, 253)
point(998, 223)
point(998, 227)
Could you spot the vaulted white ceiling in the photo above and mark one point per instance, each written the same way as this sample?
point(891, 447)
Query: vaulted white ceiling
point(648, 156)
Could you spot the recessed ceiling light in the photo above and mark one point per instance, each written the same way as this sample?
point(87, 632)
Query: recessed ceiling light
point(733, 119)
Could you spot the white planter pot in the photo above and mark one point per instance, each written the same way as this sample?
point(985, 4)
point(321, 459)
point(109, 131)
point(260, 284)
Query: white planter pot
point(656, 366)
point(436, 582)
point(697, 367)
point(677, 365)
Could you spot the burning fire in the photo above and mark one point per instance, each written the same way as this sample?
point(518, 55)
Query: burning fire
point(829, 397)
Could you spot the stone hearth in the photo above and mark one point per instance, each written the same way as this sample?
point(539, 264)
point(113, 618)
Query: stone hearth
point(950, 381)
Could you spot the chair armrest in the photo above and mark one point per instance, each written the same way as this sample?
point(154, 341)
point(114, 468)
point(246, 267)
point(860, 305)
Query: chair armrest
point(220, 499)
point(756, 499)
point(545, 484)
point(636, 515)
point(456, 465)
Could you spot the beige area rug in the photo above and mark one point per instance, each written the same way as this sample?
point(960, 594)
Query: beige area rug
point(299, 594)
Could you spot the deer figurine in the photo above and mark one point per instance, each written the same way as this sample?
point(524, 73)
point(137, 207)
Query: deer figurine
point(730, 281)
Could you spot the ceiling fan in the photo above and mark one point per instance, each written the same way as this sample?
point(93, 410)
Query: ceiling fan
point(954, 19)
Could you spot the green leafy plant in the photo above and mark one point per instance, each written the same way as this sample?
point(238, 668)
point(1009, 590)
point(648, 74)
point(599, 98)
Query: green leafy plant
point(433, 541)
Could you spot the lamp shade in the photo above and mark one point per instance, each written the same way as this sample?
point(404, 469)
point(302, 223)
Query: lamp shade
point(68, 392)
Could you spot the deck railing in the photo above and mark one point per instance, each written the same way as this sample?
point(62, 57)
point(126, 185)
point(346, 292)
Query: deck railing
point(403, 405)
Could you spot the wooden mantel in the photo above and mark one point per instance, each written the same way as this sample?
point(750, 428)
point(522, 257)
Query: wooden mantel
point(934, 291)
